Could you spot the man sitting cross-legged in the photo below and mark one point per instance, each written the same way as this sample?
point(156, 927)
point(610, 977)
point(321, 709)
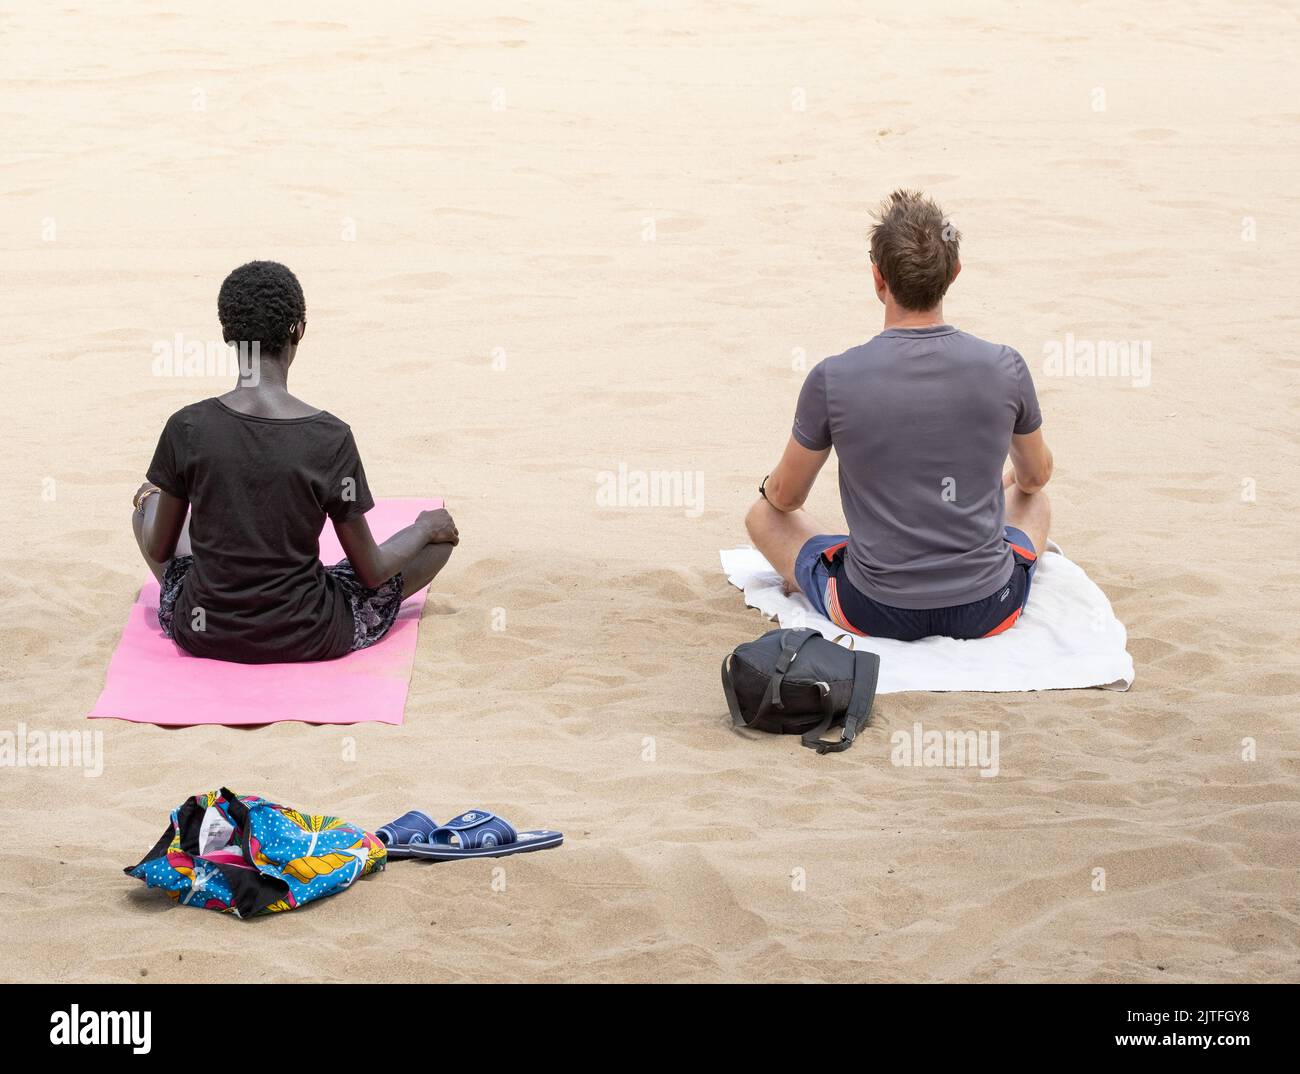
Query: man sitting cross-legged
point(922, 417)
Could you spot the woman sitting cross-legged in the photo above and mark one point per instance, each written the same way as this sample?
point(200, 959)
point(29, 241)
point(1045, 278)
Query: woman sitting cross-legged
point(258, 472)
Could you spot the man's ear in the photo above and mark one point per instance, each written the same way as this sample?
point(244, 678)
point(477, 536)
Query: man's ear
point(956, 271)
point(882, 288)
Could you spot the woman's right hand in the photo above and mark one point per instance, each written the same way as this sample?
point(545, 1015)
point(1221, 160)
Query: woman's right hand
point(441, 529)
point(143, 493)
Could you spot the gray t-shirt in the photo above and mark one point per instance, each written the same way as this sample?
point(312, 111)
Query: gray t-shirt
point(921, 419)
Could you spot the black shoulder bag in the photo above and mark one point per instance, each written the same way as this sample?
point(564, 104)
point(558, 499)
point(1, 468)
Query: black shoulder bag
point(796, 682)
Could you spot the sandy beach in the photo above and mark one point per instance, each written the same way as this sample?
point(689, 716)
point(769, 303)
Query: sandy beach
point(538, 248)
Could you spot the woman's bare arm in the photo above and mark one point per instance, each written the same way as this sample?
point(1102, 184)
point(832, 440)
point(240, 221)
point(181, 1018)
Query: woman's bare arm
point(376, 563)
point(164, 519)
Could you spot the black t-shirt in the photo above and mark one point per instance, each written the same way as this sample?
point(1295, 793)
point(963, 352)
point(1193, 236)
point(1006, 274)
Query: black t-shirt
point(259, 491)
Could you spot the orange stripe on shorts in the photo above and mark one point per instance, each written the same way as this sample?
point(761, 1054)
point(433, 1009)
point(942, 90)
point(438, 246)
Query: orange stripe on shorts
point(829, 553)
point(837, 613)
point(1006, 624)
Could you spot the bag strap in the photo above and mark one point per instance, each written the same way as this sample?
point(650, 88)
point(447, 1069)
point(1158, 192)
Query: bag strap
point(772, 699)
point(728, 688)
point(866, 674)
point(810, 738)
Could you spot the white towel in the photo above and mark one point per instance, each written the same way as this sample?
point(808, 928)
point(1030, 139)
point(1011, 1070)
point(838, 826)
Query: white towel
point(1066, 638)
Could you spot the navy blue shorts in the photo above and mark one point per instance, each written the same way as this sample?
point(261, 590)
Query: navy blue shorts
point(819, 572)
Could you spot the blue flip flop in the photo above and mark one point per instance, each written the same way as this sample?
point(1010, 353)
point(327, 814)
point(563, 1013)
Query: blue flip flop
point(407, 831)
point(480, 834)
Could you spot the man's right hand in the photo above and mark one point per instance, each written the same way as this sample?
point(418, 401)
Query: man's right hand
point(440, 527)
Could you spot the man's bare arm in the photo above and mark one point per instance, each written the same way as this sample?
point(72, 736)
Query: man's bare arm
point(789, 484)
point(1031, 461)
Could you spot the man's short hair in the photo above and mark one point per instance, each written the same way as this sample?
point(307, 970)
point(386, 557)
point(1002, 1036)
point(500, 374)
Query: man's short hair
point(915, 247)
point(261, 301)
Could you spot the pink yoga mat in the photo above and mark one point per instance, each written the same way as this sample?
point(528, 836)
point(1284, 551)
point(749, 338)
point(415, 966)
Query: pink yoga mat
point(152, 680)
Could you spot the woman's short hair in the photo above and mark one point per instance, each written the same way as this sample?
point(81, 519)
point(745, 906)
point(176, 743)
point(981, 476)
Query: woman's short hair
point(261, 302)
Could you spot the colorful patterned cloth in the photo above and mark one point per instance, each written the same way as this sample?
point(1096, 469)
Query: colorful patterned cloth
point(243, 855)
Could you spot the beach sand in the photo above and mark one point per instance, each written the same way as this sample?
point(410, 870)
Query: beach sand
point(536, 248)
